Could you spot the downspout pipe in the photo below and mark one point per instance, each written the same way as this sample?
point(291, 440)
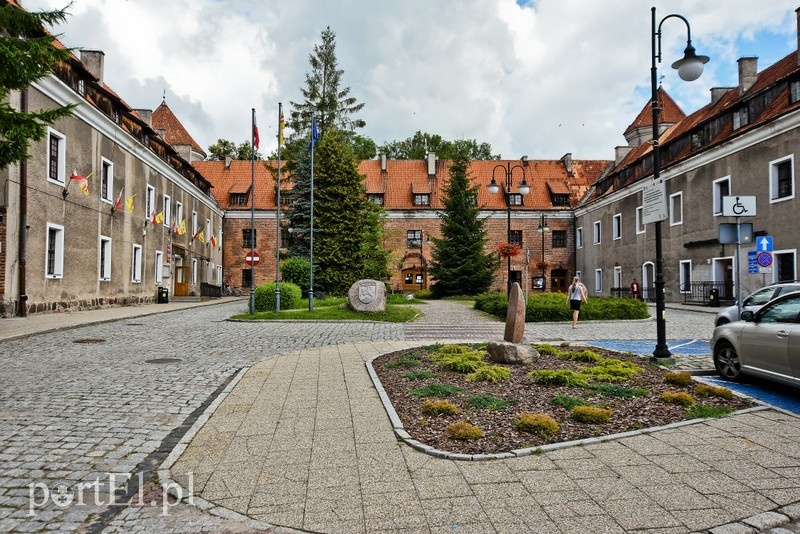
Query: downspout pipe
point(23, 220)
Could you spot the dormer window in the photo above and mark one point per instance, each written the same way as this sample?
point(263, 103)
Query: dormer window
point(514, 199)
point(238, 199)
point(422, 199)
point(559, 199)
point(375, 198)
point(740, 118)
point(794, 92)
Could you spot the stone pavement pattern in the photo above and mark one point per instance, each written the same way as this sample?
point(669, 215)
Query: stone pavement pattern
point(73, 412)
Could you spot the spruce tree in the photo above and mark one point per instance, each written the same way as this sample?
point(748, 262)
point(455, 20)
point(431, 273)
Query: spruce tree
point(460, 265)
point(27, 54)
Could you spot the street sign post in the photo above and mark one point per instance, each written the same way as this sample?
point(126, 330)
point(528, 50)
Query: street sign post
point(764, 243)
point(752, 264)
point(739, 206)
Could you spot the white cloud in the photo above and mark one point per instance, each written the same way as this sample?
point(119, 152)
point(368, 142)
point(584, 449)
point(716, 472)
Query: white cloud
point(542, 79)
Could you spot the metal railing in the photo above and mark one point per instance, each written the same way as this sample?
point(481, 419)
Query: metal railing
point(699, 292)
point(645, 293)
point(210, 290)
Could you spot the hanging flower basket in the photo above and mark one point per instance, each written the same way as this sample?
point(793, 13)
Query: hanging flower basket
point(542, 265)
point(509, 249)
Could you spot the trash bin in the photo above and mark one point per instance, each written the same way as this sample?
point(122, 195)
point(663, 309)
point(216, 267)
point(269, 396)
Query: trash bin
point(163, 295)
point(713, 297)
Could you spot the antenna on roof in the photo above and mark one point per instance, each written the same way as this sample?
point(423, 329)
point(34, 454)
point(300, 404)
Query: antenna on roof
point(164, 97)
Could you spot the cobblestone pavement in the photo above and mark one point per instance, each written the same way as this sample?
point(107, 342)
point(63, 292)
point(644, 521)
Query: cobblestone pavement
point(82, 407)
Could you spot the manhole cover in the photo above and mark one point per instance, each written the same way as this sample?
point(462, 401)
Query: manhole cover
point(163, 360)
point(89, 340)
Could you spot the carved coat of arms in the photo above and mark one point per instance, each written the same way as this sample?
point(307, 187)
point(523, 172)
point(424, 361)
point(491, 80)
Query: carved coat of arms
point(367, 292)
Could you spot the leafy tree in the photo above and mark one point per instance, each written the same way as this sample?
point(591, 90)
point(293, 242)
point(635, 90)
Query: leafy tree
point(300, 197)
point(224, 148)
point(343, 216)
point(27, 54)
point(418, 146)
point(333, 106)
point(363, 147)
point(376, 255)
point(460, 264)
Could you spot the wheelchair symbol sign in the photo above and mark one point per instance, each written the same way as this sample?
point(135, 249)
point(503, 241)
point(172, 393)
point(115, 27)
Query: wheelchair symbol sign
point(739, 206)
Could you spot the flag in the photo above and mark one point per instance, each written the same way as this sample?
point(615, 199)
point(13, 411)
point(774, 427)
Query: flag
point(281, 126)
point(255, 133)
point(174, 227)
point(182, 227)
point(159, 218)
point(201, 237)
point(84, 186)
point(118, 203)
point(213, 241)
point(76, 176)
point(83, 181)
point(129, 203)
point(153, 216)
point(314, 133)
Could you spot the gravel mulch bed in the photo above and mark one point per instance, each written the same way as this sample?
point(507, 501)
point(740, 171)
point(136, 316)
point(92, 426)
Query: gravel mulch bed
point(523, 395)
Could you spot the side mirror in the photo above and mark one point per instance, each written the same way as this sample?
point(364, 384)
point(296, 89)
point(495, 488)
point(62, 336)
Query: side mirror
point(747, 315)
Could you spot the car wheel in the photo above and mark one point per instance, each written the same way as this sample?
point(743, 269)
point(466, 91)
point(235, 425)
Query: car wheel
point(726, 361)
point(722, 321)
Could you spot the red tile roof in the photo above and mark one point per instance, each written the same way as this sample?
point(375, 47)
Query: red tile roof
point(175, 133)
point(670, 112)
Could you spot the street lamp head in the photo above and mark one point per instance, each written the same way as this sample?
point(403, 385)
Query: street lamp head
point(690, 67)
point(493, 187)
point(524, 188)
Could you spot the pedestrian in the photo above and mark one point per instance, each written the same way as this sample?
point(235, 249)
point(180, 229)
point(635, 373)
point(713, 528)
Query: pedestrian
point(576, 295)
point(635, 289)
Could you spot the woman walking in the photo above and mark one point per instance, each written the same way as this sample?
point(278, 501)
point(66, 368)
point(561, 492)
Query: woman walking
point(576, 294)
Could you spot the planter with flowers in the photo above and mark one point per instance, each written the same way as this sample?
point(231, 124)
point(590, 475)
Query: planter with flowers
point(509, 249)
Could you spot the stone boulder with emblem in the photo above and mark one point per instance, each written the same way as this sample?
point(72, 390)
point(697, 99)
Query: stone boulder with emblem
point(367, 296)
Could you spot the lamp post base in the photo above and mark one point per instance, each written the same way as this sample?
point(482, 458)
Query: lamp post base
point(663, 360)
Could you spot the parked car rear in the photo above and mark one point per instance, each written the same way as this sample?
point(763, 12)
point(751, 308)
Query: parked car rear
point(756, 299)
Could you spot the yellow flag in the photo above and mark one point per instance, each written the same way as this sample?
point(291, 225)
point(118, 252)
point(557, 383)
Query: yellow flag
point(201, 237)
point(129, 203)
point(159, 217)
point(281, 126)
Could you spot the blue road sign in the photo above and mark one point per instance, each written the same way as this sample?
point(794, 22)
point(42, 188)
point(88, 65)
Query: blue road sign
point(764, 259)
point(764, 243)
point(752, 264)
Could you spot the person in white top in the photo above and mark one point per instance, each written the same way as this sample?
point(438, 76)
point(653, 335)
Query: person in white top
point(575, 295)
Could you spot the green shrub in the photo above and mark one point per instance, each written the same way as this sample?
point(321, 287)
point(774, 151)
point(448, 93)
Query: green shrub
point(422, 374)
point(562, 377)
point(463, 430)
point(582, 356)
point(264, 296)
point(706, 390)
point(296, 271)
point(536, 423)
point(612, 390)
point(567, 402)
point(489, 373)
point(612, 370)
point(546, 349)
point(435, 390)
point(492, 303)
point(452, 358)
point(453, 349)
point(702, 411)
point(438, 407)
point(591, 414)
point(487, 402)
point(423, 294)
point(681, 378)
point(683, 399)
point(548, 307)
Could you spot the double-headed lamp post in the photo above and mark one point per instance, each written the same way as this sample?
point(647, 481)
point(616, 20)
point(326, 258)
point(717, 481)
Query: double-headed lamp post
point(543, 229)
point(690, 67)
point(524, 189)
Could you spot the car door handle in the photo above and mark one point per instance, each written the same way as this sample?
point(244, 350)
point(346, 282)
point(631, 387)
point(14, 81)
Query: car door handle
point(782, 334)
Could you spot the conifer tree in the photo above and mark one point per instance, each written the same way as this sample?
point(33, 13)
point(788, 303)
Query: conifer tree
point(460, 264)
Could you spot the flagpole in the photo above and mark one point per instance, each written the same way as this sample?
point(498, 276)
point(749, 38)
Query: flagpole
point(311, 220)
point(278, 215)
point(253, 213)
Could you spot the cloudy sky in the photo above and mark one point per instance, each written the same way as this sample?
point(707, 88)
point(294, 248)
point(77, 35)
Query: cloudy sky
point(532, 77)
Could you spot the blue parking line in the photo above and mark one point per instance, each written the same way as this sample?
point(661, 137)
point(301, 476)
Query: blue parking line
point(770, 393)
point(687, 347)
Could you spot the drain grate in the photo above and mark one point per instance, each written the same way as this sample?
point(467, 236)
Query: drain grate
point(89, 340)
point(163, 360)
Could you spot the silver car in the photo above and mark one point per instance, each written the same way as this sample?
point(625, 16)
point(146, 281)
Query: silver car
point(756, 299)
point(765, 343)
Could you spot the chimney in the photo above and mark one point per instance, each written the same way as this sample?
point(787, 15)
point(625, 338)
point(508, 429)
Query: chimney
point(383, 162)
point(567, 160)
point(93, 61)
point(620, 152)
point(146, 115)
point(431, 164)
point(717, 93)
point(228, 163)
point(748, 73)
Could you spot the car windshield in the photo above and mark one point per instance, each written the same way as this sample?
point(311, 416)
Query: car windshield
point(760, 297)
point(782, 312)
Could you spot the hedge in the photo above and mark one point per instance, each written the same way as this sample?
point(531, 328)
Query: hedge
point(553, 307)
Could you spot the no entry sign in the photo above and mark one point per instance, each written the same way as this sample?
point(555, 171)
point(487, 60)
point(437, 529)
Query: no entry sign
point(252, 260)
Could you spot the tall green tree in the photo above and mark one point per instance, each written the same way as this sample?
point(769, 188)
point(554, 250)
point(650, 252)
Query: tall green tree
point(343, 216)
point(460, 263)
point(224, 148)
point(418, 146)
point(324, 97)
point(27, 53)
point(300, 200)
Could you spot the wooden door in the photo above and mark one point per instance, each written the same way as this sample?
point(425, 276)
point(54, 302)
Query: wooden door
point(181, 281)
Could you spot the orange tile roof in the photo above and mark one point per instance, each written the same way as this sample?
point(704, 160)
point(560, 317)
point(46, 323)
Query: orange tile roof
point(175, 133)
point(238, 177)
point(670, 112)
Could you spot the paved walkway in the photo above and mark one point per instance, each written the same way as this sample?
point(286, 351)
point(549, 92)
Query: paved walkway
point(299, 437)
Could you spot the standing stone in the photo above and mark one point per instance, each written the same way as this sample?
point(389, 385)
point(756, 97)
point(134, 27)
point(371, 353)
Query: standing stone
point(515, 316)
point(367, 296)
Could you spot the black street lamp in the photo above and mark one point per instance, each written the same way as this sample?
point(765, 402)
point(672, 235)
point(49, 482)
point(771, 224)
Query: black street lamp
point(690, 67)
point(524, 189)
point(543, 229)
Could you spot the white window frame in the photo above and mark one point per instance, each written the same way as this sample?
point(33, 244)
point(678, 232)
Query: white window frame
point(773, 179)
point(159, 267)
point(684, 286)
point(193, 274)
point(167, 211)
point(61, 171)
point(641, 227)
point(208, 231)
point(194, 223)
point(617, 276)
point(597, 232)
point(676, 209)
point(219, 237)
point(108, 178)
point(136, 263)
point(616, 226)
point(104, 259)
point(716, 194)
point(58, 252)
point(150, 202)
point(578, 274)
point(178, 212)
point(598, 280)
point(219, 275)
point(579, 237)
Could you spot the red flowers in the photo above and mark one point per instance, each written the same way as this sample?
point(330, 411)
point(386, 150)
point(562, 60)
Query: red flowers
point(509, 249)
